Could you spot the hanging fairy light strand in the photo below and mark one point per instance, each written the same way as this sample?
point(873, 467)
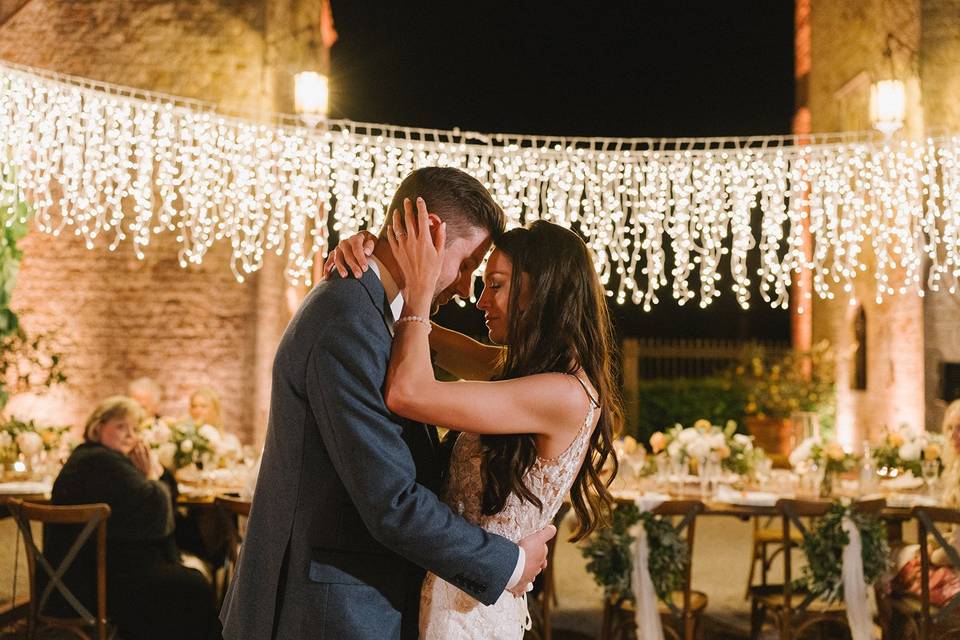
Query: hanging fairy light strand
point(682, 215)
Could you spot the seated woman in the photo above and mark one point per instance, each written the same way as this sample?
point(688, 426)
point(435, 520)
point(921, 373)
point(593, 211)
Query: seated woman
point(149, 593)
point(944, 578)
point(205, 408)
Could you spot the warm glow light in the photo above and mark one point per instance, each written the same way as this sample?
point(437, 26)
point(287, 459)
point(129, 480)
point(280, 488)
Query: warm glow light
point(687, 218)
point(888, 105)
point(311, 96)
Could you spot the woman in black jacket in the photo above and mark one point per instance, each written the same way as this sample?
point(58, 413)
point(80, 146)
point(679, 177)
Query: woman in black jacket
point(149, 593)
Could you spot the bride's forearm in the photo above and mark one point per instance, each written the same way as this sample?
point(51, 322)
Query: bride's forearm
point(463, 356)
point(410, 372)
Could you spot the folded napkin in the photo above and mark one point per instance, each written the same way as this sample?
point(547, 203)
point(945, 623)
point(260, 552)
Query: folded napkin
point(746, 498)
point(906, 481)
point(25, 488)
point(906, 500)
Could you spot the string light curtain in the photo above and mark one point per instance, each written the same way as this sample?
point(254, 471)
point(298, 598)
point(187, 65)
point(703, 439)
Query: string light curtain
point(116, 165)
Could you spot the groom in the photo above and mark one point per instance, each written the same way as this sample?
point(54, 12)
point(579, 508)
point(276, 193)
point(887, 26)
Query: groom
point(345, 516)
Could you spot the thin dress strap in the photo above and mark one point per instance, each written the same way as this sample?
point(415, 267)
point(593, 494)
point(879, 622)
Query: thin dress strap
point(594, 403)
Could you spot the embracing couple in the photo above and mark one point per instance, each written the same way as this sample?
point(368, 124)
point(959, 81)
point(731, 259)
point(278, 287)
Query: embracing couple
point(353, 504)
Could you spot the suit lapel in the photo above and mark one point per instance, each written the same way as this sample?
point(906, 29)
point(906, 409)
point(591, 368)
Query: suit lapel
point(371, 283)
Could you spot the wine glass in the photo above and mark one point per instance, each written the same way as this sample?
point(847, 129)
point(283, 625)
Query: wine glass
point(930, 470)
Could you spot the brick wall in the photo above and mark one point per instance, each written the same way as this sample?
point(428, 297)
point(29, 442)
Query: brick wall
point(117, 318)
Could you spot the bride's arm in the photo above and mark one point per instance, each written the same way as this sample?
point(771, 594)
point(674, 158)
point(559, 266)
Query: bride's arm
point(539, 404)
point(463, 356)
point(456, 353)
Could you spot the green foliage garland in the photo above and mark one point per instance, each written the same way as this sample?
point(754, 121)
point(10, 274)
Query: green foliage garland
point(610, 559)
point(824, 545)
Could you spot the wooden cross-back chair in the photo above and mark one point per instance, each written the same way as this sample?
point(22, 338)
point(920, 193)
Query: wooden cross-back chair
point(920, 619)
point(683, 611)
point(795, 611)
point(231, 510)
point(92, 520)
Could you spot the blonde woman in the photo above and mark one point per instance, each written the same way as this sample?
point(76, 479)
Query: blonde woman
point(944, 582)
point(149, 593)
point(205, 407)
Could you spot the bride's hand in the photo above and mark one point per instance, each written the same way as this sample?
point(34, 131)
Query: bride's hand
point(419, 254)
point(350, 255)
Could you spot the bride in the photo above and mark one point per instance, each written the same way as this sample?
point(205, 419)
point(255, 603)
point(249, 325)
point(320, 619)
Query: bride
point(537, 418)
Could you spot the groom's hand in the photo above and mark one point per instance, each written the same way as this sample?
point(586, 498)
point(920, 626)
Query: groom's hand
point(535, 548)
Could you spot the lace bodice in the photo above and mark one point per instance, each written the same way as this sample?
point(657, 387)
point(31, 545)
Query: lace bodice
point(445, 611)
point(549, 480)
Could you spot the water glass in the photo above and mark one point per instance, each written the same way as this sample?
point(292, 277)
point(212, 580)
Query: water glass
point(679, 468)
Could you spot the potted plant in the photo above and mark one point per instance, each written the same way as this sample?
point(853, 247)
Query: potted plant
point(775, 386)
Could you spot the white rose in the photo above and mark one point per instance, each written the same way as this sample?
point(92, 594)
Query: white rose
point(910, 451)
point(716, 440)
point(186, 446)
point(161, 433)
point(166, 452)
point(699, 448)
point(687, 436)
point(5, 439)
point(211, 433)
point(674, 449)
point(30, 443)
point(742, 439)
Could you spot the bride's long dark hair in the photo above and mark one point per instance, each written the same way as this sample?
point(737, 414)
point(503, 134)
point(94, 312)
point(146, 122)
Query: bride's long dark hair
point(564, 327)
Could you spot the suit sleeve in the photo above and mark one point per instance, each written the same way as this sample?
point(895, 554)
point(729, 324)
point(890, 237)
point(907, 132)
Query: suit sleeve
point(346, 370)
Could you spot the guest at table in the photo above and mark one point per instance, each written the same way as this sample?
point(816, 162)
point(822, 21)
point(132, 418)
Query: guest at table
point(205, 407)
point(150, 594)
point(944, 578)
point(148, 394)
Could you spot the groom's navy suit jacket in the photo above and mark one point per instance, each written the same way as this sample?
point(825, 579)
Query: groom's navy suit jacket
point(345, 517)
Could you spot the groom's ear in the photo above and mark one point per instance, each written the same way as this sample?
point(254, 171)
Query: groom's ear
point(435, 222)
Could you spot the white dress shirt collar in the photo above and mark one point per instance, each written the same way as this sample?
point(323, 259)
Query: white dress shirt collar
point(390, 287)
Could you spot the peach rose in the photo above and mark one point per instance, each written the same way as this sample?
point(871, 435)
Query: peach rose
point(835, 451)
point(895, 438)
point(702, 425)
point(630, 445)
point(724, 452)
point(658, 442)
point(932, 452)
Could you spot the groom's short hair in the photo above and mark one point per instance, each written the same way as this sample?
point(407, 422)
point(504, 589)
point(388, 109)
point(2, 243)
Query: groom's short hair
point(454, 196)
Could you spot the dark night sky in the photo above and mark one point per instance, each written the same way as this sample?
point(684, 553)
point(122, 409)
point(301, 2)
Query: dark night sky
point(608, 68)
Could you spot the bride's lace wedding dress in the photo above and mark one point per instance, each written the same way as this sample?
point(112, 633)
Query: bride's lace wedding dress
point(445, 611)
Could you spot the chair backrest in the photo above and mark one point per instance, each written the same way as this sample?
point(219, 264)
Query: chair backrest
point(791, 511)
point(92, 518)
point(231, 509)
point(687, 511)
point(927, 519)
point(234, 506)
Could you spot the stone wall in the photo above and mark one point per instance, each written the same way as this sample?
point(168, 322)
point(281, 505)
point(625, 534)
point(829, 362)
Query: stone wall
point(117, 318)
point(940, 76)
point(847, 42)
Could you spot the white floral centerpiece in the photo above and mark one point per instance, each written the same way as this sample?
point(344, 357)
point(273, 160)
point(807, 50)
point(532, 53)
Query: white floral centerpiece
point(27, 439)
point(704, 440)
point(182, 444)
point(904, 448)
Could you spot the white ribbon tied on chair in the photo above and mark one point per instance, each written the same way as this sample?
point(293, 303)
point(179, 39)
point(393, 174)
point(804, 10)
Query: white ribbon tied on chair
point(856, 594)
point(646, 613)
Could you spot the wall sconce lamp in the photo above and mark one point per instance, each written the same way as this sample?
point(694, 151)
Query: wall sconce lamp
point(311, 97)
point(888, 106)
point(888, 97)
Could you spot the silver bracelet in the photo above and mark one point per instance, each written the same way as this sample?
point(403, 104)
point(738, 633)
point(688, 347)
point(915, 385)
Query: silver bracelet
point(419, 319)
